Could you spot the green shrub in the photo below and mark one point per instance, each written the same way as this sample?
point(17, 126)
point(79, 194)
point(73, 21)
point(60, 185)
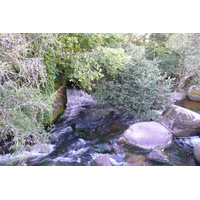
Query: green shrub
point(25, 102)
point(90, 67)
point(23, 113)
point(138, 89)
point(157, 48)
point(187, 46)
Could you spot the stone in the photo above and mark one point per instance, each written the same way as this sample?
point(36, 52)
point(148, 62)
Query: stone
point(135, 159)
point(148, 135)
point(60, 101)
point(194, 93)
point(158, 156)
point(179, 96)
point(196, 152)
point(103, 160)
point(181, 122)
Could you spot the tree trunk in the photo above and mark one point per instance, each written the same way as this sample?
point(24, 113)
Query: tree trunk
point(183, 80)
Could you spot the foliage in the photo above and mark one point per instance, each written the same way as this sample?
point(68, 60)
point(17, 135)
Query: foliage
point(157, 48)
point(72, 43)
point(138, 39)
point(24, 107)
point(31, 64)
point(85, 57)
point(139, 89)
point(130, 72)
point(187, 46)
point(23, 111)
point(21, 58)
point(160, 38)
point(92, 66)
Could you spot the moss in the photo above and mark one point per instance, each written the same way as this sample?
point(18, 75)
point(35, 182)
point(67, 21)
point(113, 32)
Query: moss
point(57, 114)
point(181, 134)
point(59, 101)
point(194, 93)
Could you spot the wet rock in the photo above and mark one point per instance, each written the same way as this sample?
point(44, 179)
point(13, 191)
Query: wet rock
point(135, 159)
point(196, 152)
point(116, 148)
point(121, 141)
point(102, 160)
point(179, 96)
point(57, 133)
point(158, 156)
point(60, 101)
point(117, 160)
point(59, 163)
point(148, 135)
point(102, 148)
point(194, 93)
point(181, 122)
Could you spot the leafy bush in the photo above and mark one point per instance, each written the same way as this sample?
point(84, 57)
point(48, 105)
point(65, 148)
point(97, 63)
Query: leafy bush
point(86, 57)
point(24, 107)
point(90, 67)
point(31, 64)
point(157, 48)
point(23, 113)
point(187, 47)
point(138, 89)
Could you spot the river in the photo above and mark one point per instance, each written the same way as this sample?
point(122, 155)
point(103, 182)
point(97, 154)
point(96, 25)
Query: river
point(85, 131)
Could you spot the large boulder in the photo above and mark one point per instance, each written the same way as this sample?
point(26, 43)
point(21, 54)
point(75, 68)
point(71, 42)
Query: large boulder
point(194, 93)
point(148, 135)
point(197, 152)
point(181, 121)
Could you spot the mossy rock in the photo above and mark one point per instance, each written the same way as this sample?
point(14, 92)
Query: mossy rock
point(57, 113)
point(181, 122)
point(179, 96)
point(60, 101)
point(194, 93)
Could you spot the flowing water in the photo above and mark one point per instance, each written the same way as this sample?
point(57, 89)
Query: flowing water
point(85, 132)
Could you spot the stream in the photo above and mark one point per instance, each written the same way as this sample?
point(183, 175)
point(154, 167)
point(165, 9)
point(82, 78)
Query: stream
point(85, 131)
